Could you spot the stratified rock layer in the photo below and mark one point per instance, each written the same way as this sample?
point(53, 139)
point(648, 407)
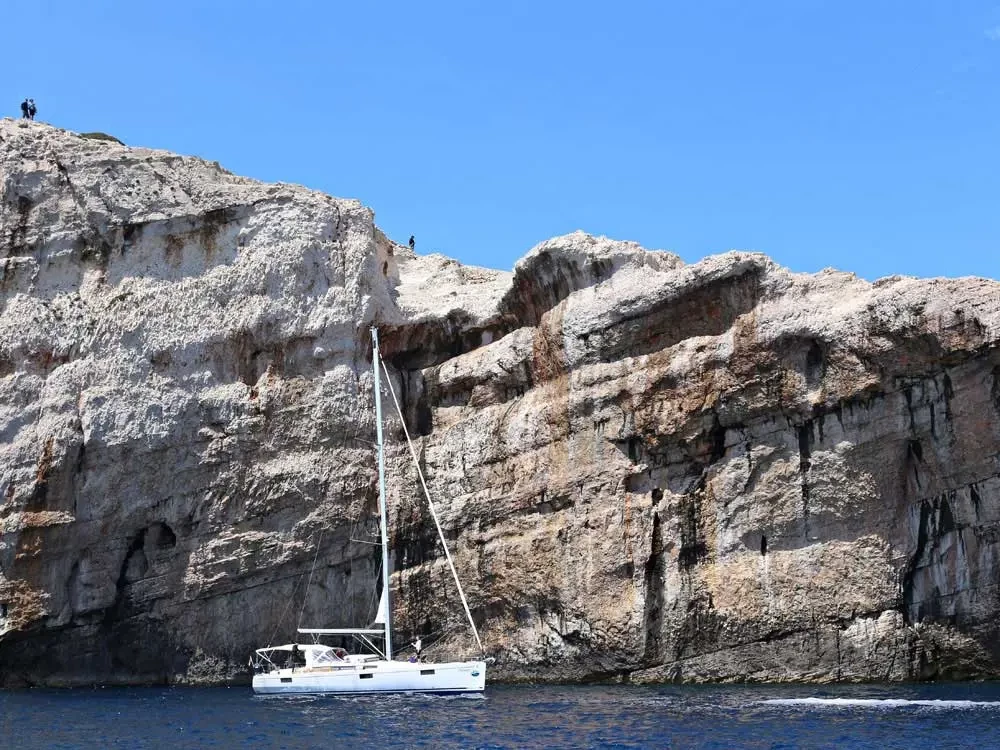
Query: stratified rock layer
point(648, 470)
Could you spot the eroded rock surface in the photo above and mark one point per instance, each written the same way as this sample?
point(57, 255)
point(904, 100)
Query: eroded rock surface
point(648, 470)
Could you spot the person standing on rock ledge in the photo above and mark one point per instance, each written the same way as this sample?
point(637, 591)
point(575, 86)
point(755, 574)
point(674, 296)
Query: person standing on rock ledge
point(413, 242)
point(31, 109)
point(24, 109)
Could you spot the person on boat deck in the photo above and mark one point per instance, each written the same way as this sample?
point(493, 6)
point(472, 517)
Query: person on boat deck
point(294, 659)
point(417, 646)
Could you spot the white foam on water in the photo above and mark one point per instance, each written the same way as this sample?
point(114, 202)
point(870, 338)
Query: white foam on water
point(654, 700)
point(878, 703)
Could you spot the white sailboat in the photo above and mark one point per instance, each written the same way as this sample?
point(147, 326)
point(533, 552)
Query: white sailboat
point(324, 669)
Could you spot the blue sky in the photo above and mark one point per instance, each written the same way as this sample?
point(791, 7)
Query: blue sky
point(860, 135)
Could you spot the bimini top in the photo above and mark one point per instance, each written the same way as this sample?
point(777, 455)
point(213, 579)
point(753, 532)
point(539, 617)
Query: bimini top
point(316, 654)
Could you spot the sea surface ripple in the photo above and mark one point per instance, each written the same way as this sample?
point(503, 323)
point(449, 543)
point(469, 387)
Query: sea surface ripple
point(888, 716)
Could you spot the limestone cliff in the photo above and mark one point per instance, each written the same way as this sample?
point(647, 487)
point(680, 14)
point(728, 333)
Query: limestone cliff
point(648, 470)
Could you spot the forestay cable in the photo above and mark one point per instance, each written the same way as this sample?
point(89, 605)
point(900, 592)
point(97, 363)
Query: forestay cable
point(430, 504)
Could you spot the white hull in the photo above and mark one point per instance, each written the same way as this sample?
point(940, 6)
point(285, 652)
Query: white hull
point(376, 677)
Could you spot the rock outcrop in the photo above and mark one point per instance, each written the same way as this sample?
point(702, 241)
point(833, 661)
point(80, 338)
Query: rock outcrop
point(648, 470)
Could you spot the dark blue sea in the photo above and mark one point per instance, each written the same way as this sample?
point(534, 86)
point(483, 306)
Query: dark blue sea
point(936, 716)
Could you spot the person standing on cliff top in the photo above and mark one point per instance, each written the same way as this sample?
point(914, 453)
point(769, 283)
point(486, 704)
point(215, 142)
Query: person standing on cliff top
point(31, 109)
point(413, 242)
point(24, 109)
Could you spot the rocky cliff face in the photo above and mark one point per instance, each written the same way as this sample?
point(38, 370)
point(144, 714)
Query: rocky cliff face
point(648, 470)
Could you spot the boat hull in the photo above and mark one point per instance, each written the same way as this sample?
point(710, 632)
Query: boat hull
point(376, 677)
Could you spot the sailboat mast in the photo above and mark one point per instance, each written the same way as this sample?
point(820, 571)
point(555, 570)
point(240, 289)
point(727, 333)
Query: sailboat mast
point(384, 527)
